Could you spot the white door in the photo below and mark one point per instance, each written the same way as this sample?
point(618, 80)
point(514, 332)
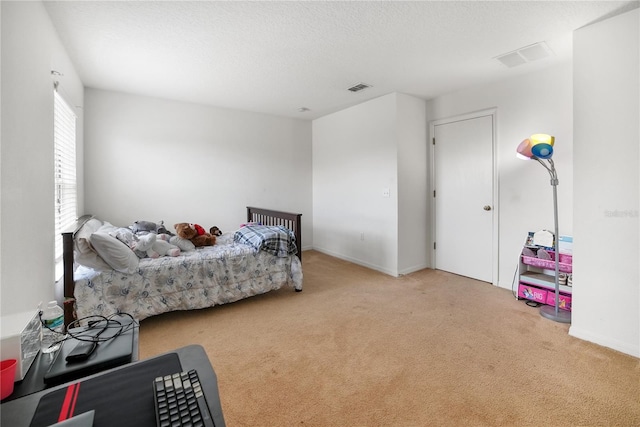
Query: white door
point(464, 203)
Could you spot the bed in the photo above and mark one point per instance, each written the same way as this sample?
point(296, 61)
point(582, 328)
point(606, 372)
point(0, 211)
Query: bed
point(212, 275)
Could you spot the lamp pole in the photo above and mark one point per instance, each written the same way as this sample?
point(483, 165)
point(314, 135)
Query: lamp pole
point(554, 313)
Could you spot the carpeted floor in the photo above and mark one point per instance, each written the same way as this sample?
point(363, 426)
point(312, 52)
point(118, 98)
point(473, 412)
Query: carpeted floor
point(360, 348)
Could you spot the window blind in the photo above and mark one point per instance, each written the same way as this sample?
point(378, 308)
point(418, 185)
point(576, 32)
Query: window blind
point(64, 141)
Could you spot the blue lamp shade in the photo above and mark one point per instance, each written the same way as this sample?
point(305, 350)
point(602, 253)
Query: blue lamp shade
point(538, 146)
point(542, 151)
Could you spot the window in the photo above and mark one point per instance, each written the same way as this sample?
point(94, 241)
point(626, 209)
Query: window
point(64, 141)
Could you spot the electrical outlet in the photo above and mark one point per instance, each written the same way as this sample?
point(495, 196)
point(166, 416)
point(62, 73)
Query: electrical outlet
point(386, 192)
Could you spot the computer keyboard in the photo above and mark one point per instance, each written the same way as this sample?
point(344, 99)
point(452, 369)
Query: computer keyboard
point(180, 402)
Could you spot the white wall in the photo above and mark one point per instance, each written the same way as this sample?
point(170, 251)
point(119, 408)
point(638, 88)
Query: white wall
point(153, 159)
point(357, 153)
point(413, 225)
point(538, 102)
point(607, 157)
point(30, 50)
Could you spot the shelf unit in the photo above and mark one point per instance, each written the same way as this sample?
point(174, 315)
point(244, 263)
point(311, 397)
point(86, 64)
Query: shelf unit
point(536, 279)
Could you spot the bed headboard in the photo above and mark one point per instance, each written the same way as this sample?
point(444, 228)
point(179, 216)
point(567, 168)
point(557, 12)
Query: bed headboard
point(67, 263)
point(293, 221)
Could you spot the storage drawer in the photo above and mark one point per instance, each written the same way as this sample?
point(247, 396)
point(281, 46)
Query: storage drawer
point(564, 301)
point(532, 293)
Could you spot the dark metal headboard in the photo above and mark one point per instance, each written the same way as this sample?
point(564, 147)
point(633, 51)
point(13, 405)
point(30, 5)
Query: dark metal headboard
point(67, 264)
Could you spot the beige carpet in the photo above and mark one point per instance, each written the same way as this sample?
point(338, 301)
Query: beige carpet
point(360, 348)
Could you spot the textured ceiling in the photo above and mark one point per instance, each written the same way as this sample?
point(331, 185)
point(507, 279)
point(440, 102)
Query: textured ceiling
point(276, 57)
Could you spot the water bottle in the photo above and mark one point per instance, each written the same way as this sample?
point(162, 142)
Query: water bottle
point(52, 327)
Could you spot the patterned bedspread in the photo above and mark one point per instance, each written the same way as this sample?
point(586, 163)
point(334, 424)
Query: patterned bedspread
point(208, 276)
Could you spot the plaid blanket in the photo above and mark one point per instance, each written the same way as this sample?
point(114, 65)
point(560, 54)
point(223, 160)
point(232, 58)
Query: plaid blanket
point(274, 239)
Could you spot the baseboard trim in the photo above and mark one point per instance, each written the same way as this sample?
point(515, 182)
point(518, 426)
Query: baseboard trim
point(413, 269)
point(605, 341)
point(356, 261)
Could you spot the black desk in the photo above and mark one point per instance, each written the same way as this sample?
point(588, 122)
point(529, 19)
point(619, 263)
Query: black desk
point(18, 412)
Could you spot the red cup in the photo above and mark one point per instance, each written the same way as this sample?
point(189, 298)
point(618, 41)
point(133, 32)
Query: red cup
point(7, 377)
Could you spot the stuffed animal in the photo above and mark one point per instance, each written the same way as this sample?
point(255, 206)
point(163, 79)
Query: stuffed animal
point(144, 227)
point(195, 233)
point(245, 224)
point(184, 244)
point(215, 231)
point(154, 247)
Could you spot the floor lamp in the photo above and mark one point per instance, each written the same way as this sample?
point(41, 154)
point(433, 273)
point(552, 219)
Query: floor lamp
point(539, 147)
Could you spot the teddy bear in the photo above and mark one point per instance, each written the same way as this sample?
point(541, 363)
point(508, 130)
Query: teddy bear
point(153, 247)
point(195, 233)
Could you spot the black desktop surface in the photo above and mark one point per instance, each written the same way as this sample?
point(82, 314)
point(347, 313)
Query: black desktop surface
point(117, 399)
point(120, 387)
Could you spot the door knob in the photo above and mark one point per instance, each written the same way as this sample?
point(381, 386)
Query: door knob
point(487, 208)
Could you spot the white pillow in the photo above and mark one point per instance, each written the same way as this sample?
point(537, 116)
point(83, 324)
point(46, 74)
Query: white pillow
point(82, 242)
point(115, 253)
point(84, 252)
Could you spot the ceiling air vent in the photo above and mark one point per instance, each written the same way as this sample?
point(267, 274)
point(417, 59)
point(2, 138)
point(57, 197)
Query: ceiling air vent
point(359, 87)
point(525, 54)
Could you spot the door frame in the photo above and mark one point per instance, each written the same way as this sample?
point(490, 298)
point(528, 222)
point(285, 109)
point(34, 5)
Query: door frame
point(492, 112)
